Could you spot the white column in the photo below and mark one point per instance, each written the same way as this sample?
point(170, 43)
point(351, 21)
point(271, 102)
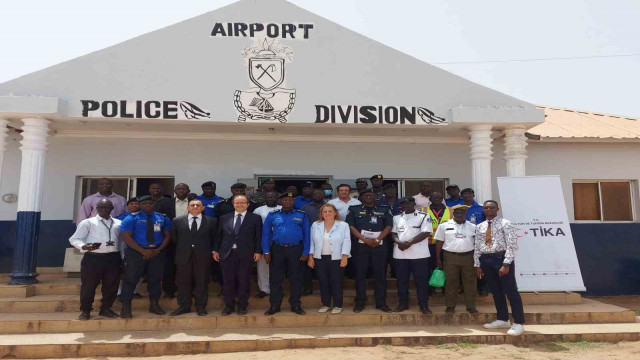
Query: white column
point(515, 153)
point(4, 134)
point(34, 149)
point(480, 144)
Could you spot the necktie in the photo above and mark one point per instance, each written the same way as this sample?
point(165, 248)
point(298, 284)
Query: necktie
point(194, 228)
point(150, 235)
point(487, 236)
point(236, 227)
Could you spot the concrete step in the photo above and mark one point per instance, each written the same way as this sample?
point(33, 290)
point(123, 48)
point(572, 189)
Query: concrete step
point(588, 312)
point(55, 303)
point(158, 343)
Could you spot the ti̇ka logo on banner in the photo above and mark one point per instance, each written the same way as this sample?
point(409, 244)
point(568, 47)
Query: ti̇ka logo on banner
point(268, 100)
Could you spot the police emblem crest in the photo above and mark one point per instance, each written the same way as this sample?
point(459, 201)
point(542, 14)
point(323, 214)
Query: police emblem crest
point(268, 100)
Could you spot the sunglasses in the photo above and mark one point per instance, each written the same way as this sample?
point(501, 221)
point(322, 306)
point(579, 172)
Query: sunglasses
point(489, 207)
point(195, 205)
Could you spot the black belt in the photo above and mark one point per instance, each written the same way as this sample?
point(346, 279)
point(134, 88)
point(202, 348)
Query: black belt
point(287, 245)
point(102, 254)
point(458, 253)
point(501, 253)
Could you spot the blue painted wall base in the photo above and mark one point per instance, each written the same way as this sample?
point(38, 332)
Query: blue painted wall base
point(52, 242)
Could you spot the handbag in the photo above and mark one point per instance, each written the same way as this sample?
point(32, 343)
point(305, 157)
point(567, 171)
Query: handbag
point(437, 278)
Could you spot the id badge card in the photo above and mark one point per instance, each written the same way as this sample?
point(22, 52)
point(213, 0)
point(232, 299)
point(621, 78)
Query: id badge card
point(460, 236)
point(156, 227)
point(374, 219)
point(401, 228)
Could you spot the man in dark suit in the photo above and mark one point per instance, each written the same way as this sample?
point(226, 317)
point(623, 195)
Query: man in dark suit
point(172, 208)
point(193, 236)
point(236, 245)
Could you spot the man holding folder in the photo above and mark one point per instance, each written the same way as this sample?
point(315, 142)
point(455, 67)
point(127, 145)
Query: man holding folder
point(370, 224)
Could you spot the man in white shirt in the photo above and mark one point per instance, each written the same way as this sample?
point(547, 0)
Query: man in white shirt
point(271, 201)
point(98, 238)
point(411, 253)
point(343, 201)
point(456, 239)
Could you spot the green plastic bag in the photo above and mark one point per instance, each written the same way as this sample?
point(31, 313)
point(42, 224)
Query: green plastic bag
point(437, 278)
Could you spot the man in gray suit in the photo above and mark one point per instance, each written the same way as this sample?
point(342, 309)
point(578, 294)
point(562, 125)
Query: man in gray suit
point(193, 236)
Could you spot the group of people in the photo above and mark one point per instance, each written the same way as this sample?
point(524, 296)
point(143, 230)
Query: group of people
point(177, 242)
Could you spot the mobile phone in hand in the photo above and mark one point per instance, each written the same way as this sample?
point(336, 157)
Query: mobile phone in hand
point(95, 245)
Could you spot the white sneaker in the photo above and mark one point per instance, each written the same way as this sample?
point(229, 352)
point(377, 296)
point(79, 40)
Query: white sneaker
point(498, 324)
point(324, 309)
point(516, 330)
point(336, 310)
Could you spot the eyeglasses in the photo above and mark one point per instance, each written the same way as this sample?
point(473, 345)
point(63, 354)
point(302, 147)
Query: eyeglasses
point(489, 207)
point(195, 205)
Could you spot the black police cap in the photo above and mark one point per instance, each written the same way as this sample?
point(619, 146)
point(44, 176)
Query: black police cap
point(238, 186)
point(366, 191)
point(379, 176)
point(133, 199)
point(452, 186)
point(308, 184)
point(146, 198)
point(289, 194)
point(466, 190)
point(407, 199)
point(208, 184)
point(390, 185)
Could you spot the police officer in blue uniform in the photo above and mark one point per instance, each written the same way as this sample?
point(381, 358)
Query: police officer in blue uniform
point(285, 243)
point(306, 197)
point(147, 234)
point(370, 224)
point(209, 198)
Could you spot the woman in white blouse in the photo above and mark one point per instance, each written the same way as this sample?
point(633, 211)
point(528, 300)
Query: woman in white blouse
point(328, 254)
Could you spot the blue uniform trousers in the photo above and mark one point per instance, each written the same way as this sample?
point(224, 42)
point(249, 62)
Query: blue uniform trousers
point(135, 266)
point(419, 269)
point(501, 285)
point(364, 255)
point(285, 259)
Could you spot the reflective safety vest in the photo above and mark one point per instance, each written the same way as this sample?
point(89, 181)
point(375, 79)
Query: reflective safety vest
point(446, 215)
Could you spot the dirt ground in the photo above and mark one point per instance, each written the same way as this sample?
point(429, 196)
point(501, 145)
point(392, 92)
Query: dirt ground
point(541, 351)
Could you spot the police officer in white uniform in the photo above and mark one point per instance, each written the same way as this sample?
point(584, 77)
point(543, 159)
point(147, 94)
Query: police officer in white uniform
point(456, 239)
point(411, 253)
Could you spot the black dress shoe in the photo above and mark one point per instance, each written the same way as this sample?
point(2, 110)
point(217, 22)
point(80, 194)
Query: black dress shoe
point(180, 311)
point(169, 296)
point(272, 310)
point(228, 310)
point(298, 310)
point(384, 308)
point(201, 312)
point(155, 308)
point(401, 308)
point(137, 295)
point(450, 310)
point(106, 312)
point(358, 308)
point(472, 310)
point(242, 310)
point(125, 313)
point(84, 315)
point(425, 310)
point(261, 294)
